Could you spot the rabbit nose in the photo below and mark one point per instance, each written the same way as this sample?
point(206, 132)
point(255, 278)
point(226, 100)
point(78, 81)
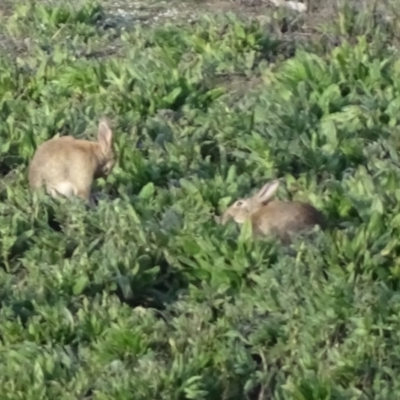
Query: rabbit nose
point(224, 219)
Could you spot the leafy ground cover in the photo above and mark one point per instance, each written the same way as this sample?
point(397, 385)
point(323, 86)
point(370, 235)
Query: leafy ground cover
point(145, 296)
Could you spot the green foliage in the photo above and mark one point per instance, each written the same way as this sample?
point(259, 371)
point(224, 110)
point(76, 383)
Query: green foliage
point(145, 296)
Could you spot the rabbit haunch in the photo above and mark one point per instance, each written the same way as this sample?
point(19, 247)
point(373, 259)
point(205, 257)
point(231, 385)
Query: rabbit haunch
point(68, 166)
point(273, 216)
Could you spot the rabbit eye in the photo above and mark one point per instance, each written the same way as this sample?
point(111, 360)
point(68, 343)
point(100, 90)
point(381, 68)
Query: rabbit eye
point(239, 203)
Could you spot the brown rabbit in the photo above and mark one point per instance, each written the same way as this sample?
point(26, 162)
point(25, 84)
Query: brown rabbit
point(68, 166)
point(273, 216)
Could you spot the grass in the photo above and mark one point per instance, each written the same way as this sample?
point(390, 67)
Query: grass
point(145, 296)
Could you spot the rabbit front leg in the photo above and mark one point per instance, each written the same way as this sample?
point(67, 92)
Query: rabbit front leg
point(63, 188)
point(92, 201)
point(84, 194)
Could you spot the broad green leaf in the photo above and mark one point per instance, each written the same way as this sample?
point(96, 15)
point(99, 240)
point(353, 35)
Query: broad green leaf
point(80, 285)
point(147, 191)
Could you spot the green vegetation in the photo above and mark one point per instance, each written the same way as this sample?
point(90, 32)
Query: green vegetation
point(145, 296)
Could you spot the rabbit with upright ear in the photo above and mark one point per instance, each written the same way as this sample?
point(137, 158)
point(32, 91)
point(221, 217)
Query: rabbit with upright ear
point(68, 166)
point(274, 217)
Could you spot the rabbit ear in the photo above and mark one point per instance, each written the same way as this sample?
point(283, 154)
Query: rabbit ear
point(105, 134)
point(267, 191)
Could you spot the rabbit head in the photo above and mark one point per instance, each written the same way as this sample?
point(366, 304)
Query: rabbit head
point(107, 157)
point(242, 209)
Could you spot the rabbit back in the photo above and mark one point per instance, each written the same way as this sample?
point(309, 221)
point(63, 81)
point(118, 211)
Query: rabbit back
point(282, 218)
point(64, 165)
